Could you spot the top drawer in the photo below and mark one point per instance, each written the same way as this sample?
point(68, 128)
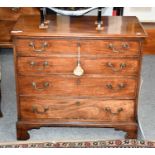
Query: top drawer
point(110, 48)
point(44, 47)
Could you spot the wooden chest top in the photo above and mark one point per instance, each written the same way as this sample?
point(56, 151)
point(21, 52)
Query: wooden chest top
point(59, 26)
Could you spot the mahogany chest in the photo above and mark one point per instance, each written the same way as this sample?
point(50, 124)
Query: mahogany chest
point(70, 74)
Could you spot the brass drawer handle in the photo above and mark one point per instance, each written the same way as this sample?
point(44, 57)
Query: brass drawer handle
point(42, 49)
point(121, 67)
point(37, 111)
point(44, 65)
point(108, 110)
point(45, 86)
point(115, 50)
point(119, 86)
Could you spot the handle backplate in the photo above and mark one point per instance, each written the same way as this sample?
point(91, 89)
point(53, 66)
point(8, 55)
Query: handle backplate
point(112, 67)
point(42, 48)
point(37, 111)
point(114, 49)
point(109, 110)
point(44, 65)
point(45, 85)
point(119, 86)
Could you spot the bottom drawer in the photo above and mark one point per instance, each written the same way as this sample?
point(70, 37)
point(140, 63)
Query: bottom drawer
point(76, 109)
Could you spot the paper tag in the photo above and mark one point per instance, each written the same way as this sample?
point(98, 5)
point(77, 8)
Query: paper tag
point(18, 31)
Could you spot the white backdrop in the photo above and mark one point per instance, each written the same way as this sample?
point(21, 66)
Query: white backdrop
point(146, 14)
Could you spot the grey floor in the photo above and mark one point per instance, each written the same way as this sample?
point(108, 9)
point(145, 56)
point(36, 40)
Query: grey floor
point(7, 123)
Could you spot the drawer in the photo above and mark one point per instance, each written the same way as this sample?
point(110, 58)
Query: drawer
point(66, 65)
point(50, 47)
point(45, 47)
point(114, 48)
point(75, 86)
point(79, 109)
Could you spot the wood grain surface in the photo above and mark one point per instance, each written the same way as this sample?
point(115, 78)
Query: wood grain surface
point(118, 48)
point(8, 18)
point(77, 109)
point(66, 26)
point(49, 94)
point(75, 86)
point(66, 65)
point(13, 13)
point(149, 44)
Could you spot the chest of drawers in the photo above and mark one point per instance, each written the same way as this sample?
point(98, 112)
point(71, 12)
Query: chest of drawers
point(72, 75)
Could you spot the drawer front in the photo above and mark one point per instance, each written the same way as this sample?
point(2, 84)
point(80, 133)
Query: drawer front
point(74, 86)
point(36, 65)
point(110, 48)
point(45, 47)
point(77, 109)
